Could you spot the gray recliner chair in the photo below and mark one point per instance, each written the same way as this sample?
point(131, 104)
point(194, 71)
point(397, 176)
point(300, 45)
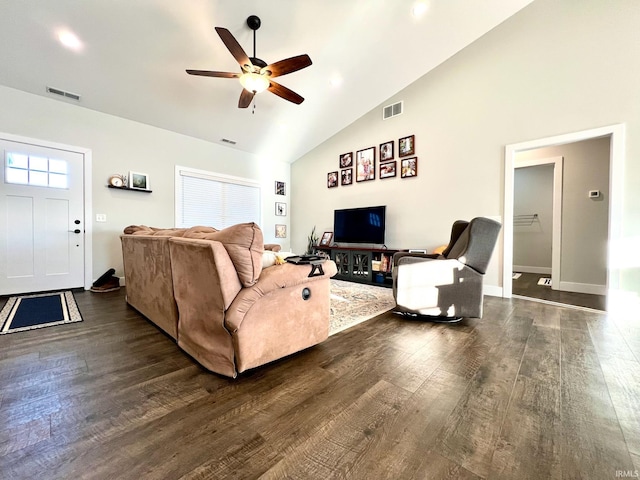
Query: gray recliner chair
point(447, 287)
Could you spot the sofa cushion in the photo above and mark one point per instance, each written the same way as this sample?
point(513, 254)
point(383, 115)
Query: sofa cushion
point(245, 244)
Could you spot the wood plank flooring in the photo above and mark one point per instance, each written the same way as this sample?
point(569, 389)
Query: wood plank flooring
point(527, 286)
point(531, 391)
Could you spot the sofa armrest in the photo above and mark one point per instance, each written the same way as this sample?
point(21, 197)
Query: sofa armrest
point(271, 279)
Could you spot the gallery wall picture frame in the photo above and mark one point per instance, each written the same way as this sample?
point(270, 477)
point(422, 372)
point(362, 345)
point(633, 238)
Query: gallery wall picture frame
point(281, 209)
point(407, 146)
point(366, 164)
point(409, 167)
point(281, 231)
point(386, 151)
point(388, 169)
point(332, 179)
point(281, 188)
point(138, 181)
point(346, 176)
point(326, 238)
point(346, 160)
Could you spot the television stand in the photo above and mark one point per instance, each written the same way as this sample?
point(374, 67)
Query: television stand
point(362, 265)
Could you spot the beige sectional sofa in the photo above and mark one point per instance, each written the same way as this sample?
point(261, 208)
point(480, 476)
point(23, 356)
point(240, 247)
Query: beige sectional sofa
point(208, 290)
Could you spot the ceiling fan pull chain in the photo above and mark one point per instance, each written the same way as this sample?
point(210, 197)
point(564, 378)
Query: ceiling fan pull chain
point(253, 110)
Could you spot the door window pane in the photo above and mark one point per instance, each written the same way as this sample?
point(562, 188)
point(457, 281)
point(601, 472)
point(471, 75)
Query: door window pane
point(38, 163)
point(57, 166)
point(38, 171)
point(17, 160)
point(14, 175)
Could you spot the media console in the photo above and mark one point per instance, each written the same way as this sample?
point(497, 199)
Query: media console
point(356, 264)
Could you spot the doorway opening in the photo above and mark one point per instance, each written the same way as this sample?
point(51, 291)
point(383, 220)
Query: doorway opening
point(566, 289)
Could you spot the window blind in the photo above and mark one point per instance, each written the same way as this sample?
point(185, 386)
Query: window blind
point(219, 202)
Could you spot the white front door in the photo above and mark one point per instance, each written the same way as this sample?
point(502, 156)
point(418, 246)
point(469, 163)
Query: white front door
point(41, 218)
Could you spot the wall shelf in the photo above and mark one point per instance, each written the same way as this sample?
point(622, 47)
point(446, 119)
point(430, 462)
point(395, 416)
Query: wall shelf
point(130, 189)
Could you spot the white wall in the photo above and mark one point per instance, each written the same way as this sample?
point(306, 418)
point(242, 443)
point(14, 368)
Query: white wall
point(553, 68)
point(120, 145)
point(532, 237)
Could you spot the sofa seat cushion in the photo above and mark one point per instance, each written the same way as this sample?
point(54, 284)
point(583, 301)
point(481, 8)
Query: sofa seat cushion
point(245, 244)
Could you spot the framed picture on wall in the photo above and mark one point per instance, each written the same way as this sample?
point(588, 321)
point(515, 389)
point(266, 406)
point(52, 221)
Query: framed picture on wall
point(366, 164)
point(386, 151)
point(138, 181)
point(281, 231)
point(388, 170)
point(332, 179)
point(407, 146)
point(409, 167)
point(346, 176)
point(281, 209)
point(280, 188)
point(346, 160)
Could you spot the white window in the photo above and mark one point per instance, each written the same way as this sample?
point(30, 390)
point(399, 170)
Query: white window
point(214, 200)
point(37, 171)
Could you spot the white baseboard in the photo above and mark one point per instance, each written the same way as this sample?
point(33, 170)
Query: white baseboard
point(583, 288)
point(492, 290)
point(528, 269)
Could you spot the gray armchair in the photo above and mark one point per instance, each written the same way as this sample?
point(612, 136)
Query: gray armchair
point(447, 287)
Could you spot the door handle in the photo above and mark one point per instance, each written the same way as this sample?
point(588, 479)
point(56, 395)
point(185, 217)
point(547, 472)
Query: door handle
point(77, 230)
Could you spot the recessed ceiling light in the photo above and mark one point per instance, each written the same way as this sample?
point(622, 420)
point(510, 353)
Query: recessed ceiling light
point(419, 9)
point(70, 40)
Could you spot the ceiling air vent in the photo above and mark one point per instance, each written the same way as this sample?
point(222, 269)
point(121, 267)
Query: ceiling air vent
point(62, 93)
point(391, 110)
point(226, 140)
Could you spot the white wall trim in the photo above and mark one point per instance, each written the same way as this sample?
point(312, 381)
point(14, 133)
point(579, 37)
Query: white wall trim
point(583, 288)
point(88, 194)
point(530, 269)
point(556, 228)
point(616, 173)
point(492, 290)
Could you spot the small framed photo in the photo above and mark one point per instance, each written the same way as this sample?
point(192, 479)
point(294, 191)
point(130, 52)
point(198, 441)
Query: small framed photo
point(346, 176)
point(346, 160)
point(407, 146)
point(409, 167)
point(280, 188)
point(332, 179)
point(138, 181)
point(388, 170)
point(366, 164)
point(326, 238)
point(281, 209)
point(281, 231)
point(386, 151)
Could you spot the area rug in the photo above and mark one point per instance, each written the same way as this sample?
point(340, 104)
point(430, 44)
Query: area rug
point(544, 281)
point(353, 303)
point(29, 312)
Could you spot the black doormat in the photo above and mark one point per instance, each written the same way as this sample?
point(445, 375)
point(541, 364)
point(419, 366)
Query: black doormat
point(29, 312)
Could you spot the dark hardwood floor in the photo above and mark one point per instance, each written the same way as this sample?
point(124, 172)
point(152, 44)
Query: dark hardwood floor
point(530, 391)
point(527, 286)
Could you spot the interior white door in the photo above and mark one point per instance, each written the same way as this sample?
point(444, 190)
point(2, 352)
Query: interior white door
point(42, 215)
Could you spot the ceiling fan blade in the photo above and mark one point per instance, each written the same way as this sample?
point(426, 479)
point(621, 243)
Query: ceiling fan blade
point(245, 98)
point(285, 93)
point(234, 47)
point(288, 65)
point(207, 73)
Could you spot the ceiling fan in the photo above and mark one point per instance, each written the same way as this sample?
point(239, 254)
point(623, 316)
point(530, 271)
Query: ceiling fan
point(256, 76)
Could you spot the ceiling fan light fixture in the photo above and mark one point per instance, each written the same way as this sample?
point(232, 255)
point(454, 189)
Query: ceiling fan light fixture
point(254, 82)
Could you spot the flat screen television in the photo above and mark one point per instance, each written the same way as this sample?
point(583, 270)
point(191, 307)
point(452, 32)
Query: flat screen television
point(359, 225)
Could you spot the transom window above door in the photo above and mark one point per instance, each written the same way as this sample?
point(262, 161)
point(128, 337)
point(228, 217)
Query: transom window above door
point(37, 171)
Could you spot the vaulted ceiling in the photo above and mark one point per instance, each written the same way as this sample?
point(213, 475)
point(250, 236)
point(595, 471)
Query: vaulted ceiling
point(134, 53)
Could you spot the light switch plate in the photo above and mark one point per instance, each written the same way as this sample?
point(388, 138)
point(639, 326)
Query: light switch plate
point(101, 217)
